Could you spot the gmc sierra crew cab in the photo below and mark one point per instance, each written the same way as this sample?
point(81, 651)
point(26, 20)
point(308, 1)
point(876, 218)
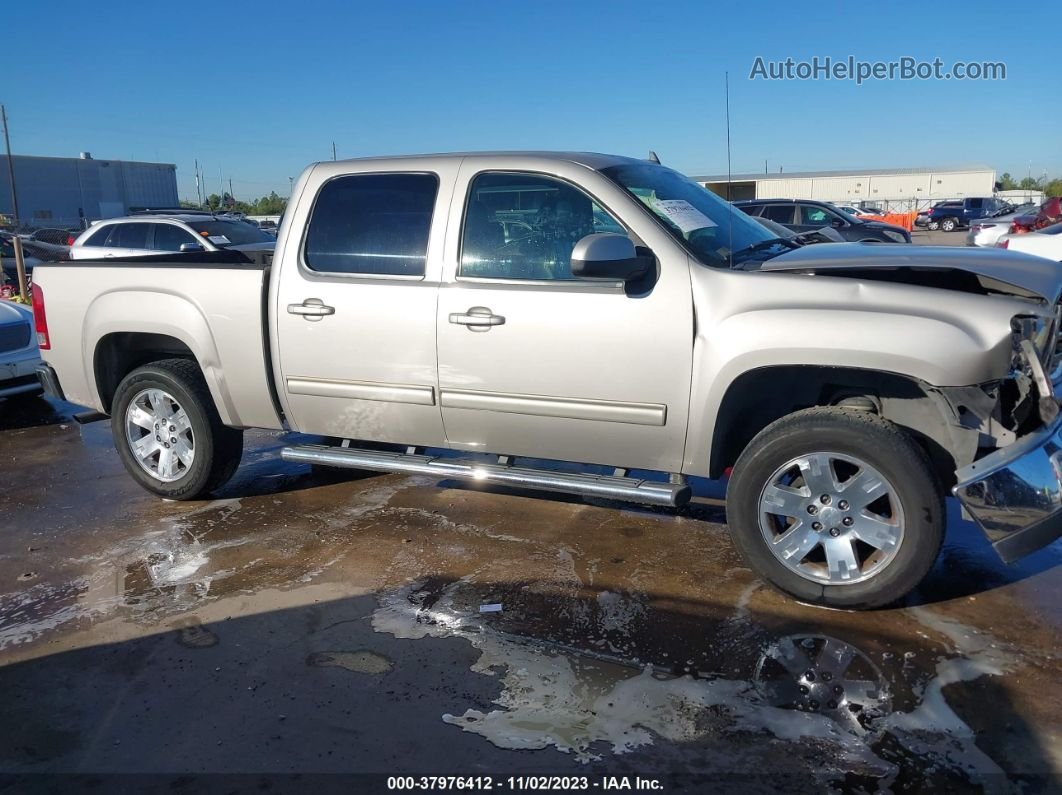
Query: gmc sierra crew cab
point(596, 325)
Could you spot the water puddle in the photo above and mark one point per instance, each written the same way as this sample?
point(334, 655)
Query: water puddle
point(609, 674)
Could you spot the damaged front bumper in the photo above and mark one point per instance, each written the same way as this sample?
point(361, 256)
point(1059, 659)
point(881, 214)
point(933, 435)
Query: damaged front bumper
point(1015, 493)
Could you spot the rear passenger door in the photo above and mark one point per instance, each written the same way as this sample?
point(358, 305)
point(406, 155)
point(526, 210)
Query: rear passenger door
point(355, 304)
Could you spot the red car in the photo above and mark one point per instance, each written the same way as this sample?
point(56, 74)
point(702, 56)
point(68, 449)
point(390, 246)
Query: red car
point(1050, 212)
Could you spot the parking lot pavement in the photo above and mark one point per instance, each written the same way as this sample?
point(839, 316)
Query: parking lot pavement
point(300, 623)
point(923, 237)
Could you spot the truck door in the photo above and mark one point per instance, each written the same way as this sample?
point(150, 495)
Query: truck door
point(533, 362)
point(354, 305)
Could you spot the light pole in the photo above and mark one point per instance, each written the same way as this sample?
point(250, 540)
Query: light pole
point(291, 186)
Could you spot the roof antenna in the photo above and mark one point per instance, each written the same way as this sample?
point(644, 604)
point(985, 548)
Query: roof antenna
point(730, 245)
point(653, 158)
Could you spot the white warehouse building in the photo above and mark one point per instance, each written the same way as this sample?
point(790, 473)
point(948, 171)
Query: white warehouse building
point(895, 189)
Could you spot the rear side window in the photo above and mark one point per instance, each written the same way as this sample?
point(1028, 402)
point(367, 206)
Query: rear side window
point(780, 213)
point(373, 224)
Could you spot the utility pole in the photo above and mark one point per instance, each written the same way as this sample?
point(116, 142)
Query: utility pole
point(230, 193)
point(10, 167)
point(198, 190)
point(333, 150)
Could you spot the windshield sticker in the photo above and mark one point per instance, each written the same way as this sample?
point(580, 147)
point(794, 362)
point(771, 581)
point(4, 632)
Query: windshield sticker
point(219, 240)
point(683, 214)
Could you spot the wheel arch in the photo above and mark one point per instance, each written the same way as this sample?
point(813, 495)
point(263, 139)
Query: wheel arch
point(753, 401)
point(118, 339)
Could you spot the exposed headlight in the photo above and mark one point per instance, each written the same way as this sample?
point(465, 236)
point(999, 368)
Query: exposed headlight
point(894, 236)
point(1038, 330)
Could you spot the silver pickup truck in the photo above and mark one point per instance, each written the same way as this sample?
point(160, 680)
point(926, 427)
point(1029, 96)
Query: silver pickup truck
point(596, 325)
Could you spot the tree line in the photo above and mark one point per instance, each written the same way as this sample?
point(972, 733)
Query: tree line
point(265, 205)
point(1049, 187)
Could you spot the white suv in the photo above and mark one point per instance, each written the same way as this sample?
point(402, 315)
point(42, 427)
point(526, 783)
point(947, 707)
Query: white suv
point(157, 233)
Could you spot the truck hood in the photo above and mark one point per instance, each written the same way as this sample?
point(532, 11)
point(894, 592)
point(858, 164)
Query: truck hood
point(976, 270)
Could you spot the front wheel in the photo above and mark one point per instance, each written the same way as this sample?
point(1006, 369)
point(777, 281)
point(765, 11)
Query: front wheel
point(168, 433)
point(933, 226)
point(836, 507)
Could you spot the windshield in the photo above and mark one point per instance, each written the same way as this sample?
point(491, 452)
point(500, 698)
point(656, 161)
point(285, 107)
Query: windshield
point(711, 229)
point(230, 233)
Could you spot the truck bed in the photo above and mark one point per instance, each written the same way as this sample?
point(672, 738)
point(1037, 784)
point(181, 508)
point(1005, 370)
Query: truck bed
point(211, 305)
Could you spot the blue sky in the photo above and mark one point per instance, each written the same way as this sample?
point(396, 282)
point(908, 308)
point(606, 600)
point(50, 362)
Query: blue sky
point(256, 91)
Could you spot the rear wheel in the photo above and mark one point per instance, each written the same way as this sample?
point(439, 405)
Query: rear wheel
point(933, 226)
point(168, 433)
point(949, 224)
point(836, 507)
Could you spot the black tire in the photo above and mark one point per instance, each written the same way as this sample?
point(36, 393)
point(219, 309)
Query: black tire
point(949, 225)
point(868, 438)
point(933, 226)
point(218, 448)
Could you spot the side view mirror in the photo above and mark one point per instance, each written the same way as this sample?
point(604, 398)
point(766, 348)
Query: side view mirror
point(185, 247)
point(837, 223)
point(607, 256)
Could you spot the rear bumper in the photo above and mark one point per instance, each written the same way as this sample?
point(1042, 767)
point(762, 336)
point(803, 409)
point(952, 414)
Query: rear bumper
point(1015, 494)
point(17, 371)
point(48, 379)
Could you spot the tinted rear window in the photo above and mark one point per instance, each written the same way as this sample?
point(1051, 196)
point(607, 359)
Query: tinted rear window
point(372, 224)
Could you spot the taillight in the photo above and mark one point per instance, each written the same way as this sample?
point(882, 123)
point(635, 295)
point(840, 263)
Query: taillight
point(70, 240)
point(1004, 244)
point(40, 319)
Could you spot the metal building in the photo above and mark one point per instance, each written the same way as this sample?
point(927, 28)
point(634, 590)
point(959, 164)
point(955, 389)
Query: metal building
point(68, 192)
point(888, 188)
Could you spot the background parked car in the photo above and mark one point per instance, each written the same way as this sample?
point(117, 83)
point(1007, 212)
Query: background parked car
point(952, 215)
point(1046, 242)
point(19, 355)
point(825, 235)
point(811, 216)
point(55, 237)
point(1047, 214)
point(147, 234)
point(858, 212)
point(988, 231)
point(7, 258)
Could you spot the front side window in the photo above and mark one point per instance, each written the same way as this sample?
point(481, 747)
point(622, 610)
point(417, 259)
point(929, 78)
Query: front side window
point(223, 233)
point(524, 226)
point(810, 215)
point(170, 238)
point(372, 224)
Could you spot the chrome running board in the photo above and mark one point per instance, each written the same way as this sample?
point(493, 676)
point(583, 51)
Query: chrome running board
point(649, 492)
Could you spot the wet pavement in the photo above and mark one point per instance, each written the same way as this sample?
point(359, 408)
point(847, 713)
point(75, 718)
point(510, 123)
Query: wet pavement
point(317, 623)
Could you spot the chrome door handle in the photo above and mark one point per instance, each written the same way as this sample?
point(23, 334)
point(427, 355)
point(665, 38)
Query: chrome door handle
point(478, 318)
point(311, 309)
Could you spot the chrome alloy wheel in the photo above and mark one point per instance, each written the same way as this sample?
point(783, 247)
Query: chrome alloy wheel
point(159, 435)
point(831, 518)
point(817, 673)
